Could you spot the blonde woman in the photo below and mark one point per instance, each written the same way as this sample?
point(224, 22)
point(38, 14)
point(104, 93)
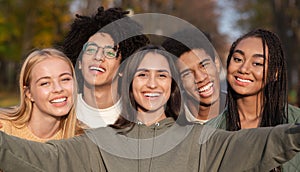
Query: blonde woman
point(47, 94)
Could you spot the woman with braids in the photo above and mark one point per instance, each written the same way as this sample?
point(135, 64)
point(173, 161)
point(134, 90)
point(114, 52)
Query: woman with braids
point(98, 44)
point(257, 87)
point(152, 134)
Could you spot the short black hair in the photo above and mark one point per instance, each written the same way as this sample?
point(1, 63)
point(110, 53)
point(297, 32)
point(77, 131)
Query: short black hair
point(188, 39)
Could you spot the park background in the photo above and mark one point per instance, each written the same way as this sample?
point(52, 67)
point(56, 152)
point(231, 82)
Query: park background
point(29, 24)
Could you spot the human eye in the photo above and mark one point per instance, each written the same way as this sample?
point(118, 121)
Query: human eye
point(205, 64)
point(110, 52)
point(258, 64)
point(91, 49)
point(187, 74)
point(236, 59)
point(66, 79)
point(141, 74)
point(163, 75)
point(44, 83)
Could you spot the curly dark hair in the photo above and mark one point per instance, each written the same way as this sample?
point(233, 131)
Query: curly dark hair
point(127, 34)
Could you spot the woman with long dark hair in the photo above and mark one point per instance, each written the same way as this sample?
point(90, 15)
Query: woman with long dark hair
point(257, 86)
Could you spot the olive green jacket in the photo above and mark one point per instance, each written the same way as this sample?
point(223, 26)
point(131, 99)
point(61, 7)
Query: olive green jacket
point(293, 117)
point(164, 146)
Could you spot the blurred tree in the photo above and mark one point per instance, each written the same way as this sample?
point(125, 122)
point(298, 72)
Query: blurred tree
point(25, 25)
point(282, 17)
point(202, 14)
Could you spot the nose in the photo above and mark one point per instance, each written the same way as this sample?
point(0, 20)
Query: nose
point(57, 87)
point(151, 82)
point(200, 76)
point(244, 68)
point(99, 56)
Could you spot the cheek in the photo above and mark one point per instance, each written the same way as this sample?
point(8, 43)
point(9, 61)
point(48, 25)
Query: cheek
point(69, 87)
point(135, 87)
point(189, 86)
point(39, 93)
point(167, 87)
point(114, 65)
point(259, 74)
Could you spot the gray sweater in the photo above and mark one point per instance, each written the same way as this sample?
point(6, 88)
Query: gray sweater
point(164, 146)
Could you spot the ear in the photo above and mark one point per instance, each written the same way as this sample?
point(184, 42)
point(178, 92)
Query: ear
point(276, 76)
point(28, 93)
point(79, 64)
point(218, 64)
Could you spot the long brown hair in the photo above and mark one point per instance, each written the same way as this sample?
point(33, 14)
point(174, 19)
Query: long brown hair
point(174, 105)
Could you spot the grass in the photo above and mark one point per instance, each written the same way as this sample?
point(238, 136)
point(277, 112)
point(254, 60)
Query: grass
point(8, 98)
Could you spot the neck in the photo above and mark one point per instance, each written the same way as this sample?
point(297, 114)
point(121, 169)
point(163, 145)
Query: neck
point(204, 112)
point(249, 109)
point(148, 118)
point(101, 97)
point(44, 126)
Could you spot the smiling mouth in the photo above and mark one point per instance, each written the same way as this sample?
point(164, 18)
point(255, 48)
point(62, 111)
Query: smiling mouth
point(98, 69)
point(152, 95)
point(206, 87)
point(243, 80)
point(60, 100)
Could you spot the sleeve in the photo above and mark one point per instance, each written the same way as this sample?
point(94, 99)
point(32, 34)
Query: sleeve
point(259, 149)
point(62, 155)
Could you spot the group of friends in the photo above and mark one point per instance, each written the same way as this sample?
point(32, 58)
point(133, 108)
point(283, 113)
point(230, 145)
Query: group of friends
point(110, 101)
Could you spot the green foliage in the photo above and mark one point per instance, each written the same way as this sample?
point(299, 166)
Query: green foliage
point(25, 25)
point(282, 17)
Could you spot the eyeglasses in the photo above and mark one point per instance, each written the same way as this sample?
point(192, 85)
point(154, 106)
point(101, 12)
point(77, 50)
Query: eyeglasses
point(109, 52)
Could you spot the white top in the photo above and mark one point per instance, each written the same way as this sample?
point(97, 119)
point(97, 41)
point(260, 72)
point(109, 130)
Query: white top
point(191, 118)
point(94, 117)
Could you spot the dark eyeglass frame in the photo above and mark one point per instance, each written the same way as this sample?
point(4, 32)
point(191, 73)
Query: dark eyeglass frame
point(107, 50)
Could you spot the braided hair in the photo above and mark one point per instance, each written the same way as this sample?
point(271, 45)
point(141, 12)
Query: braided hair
point(274, 107)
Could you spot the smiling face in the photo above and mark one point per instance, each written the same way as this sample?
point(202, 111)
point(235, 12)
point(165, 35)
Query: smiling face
point(199, 76)
point(246, 67)
point(151, 85)
point(96, 69)
point(51, 88)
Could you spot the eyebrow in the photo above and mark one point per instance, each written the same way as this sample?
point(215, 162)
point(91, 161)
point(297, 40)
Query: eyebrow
point(185, 70)
point(147, 70)
point(203, 61)
point(254, 55)
point(48, 77)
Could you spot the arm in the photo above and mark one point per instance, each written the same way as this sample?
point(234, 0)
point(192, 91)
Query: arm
point(76, 154)
point(22, 155)
point(259, 149)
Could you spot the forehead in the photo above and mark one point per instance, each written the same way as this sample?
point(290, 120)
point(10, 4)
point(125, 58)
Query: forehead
point(251, 44)
point(193, 57)
point(50, 66)
point(154, 61)
point(101, 38)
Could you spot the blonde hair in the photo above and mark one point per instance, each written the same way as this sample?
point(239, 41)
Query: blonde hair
point(21, 114)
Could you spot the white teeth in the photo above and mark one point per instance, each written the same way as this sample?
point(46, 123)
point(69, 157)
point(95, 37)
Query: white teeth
point(206, 87)
point(152, 94)
point(97, 68)
point(243, 80)
point(59, 100)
